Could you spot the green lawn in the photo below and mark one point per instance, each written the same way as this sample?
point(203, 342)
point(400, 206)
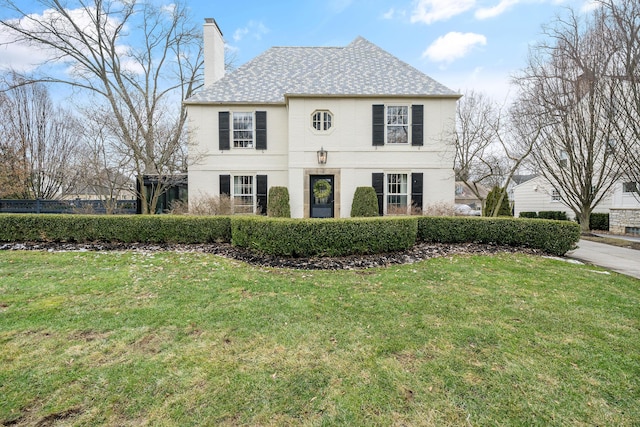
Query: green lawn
point(183, 339)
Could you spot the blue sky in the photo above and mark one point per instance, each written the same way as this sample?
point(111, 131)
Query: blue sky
point(464, 44)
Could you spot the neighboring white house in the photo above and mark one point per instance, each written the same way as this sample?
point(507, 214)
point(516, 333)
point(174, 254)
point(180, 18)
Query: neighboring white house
point(320, 117)
point(537, 194)
point(624, 215)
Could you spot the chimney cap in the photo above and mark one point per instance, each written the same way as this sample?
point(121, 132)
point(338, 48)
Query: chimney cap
point(212, 21)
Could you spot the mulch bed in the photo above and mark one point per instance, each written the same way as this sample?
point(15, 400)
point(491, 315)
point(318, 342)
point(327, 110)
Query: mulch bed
point(418, 252)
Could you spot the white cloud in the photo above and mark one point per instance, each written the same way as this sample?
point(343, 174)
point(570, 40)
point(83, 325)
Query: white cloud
point(499, 9)
point(429, 11)
point(253, 29)
point(389, 14)
point(452, 46)
point(589, 6)
point(24, 57)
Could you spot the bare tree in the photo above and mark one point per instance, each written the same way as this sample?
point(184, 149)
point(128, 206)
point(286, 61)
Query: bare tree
point(137, 59)
point(474, 134)
point(622, 35)
point(491, 144)
point(13, 174)
point(40, 142)
point(567, 95)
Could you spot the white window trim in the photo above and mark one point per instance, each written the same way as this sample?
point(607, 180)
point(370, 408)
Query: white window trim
point(253, 130)
point(323, 131)
point(386, 194)
point(254, 197)
point(386, 125)
point(555, 196)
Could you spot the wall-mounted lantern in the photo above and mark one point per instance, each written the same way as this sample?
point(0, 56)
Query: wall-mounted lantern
point(322, 156)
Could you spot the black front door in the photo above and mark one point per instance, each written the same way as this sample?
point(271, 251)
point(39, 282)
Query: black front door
point(321, 192)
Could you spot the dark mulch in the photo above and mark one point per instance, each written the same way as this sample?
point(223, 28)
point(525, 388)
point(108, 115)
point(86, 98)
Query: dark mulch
point(418, 252)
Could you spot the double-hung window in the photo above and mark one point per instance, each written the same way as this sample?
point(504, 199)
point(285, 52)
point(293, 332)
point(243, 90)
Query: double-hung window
point(555, 196)
point(243, 194)
point(397, 124)
point(243, 130)
point(397, 193)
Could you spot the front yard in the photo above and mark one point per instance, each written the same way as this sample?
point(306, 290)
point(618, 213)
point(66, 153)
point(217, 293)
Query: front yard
point(169, 338)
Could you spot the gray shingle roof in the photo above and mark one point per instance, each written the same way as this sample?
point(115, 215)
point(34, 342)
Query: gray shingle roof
point(360, 68)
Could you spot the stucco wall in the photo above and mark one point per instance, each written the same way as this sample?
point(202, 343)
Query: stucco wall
point(292, 146)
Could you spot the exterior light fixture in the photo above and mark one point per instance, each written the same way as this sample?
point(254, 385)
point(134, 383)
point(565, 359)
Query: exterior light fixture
point(322, 156)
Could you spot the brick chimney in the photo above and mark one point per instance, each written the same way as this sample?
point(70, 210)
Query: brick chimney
point(213, 52)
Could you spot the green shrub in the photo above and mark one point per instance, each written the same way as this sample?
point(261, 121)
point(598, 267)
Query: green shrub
point(599, 221)
point(528, 215)
point(109, 228)
point(557, 215)
point(328, 237)
point(492, 200)
point(553, 237)
point(365, 202)
point(278, 203)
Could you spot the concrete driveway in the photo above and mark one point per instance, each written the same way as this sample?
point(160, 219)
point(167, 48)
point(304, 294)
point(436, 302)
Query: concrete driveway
point(621, 260)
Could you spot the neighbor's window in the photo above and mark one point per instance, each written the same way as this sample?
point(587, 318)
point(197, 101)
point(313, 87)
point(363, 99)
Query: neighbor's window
point(564, 158)
point(397, 193)
point(397, 124)
point(630, 187)
point(243, 195)
point(243, 130)
point(555, 196)
point(322, 120)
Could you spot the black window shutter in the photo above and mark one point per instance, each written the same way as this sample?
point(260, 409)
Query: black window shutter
point(261, 130)
point(225, 185)
point(223, 130)
point(378, 125)
point(261, 193)
point(417, 128)
point(377, 182)
point(416, 190)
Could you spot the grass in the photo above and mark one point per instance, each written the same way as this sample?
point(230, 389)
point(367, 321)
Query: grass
point(193, 339)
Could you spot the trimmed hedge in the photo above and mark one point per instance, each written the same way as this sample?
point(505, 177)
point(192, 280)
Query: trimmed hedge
point(328, 237)
point(553, 237)
point(528, 214)
point(599, 221)
point(111, 228)
point(557, 215)
point(293, 237)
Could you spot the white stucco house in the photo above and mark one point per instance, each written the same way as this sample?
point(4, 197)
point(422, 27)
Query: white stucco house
point(323, 118)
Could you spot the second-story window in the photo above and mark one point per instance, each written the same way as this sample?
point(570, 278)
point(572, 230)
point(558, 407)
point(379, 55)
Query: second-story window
point(397, 124)
point(242, 130)
point(322, 120)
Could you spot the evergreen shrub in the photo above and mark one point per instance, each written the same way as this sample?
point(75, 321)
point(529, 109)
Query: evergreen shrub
point(278, 203)
point(557, 215)
point(492, 200)
point(365, 202)
point(112, 228)
point(599, 221)
point(553, 237)
point(528, 215)
point(324, 237)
